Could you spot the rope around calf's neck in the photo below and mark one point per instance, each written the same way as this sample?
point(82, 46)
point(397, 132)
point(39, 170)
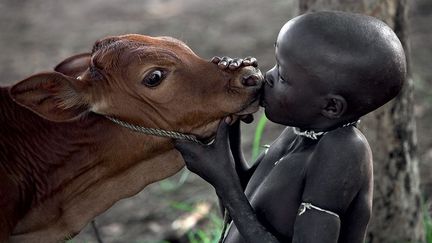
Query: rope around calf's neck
point(154, 131)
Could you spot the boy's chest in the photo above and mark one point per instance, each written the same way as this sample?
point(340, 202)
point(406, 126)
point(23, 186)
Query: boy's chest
point(278, 170)
point(276, 187)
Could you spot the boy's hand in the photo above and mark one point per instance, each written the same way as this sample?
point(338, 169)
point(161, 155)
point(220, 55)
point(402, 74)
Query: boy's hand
point(233, 64)
point(214, 163)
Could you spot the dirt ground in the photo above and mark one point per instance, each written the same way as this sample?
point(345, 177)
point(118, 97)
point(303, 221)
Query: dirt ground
point(35, 35)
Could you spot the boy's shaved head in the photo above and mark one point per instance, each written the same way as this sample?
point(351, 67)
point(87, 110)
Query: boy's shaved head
point(355, 56)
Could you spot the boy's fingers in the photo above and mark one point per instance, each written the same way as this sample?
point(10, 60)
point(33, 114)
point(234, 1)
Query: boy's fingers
point(250, 61)
point(227, 62)
point(247, 61)
point(235, 63)
point(222, 133)
point(224, 62)
point(234, 129)
point(215, 59)
point(254, 62)
point(228, 119)
point(185, 145)
point(227, 59)
point(247, 118)
point(235, 137)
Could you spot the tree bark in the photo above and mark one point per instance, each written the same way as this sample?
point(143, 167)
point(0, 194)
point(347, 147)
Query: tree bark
point(390, 131)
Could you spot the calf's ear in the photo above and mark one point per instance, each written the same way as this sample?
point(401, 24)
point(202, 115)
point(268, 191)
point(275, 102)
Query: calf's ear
point(53, 96)
point(75, 65)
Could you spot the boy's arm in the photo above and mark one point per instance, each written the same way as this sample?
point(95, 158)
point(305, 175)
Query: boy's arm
point(337, 171)
point(243, 215)
point(244, 171)
point(214, 163)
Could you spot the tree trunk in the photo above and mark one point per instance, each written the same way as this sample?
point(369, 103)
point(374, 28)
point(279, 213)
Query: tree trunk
point(390, 130)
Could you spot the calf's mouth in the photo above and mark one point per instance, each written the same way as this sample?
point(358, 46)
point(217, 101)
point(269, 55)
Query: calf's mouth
point(246, 114)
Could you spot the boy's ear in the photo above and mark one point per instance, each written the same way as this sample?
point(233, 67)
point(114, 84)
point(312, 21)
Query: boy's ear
point(51, 95)
point(74, 66)
point(334, 106)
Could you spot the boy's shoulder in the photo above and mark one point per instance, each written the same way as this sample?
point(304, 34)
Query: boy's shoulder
point(344, 149)
point(340, 146)
point(344, 142)
point(339, 167)
point(344, 152)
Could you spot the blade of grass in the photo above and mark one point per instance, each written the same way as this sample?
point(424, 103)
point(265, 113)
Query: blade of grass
point(191, 237)
point(427, 223)
point(256, 148)
point(182, 206)
point(202, 236)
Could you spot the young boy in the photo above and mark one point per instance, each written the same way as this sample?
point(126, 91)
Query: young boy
point(314, 183)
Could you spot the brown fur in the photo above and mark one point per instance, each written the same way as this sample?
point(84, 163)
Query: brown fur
point(62, 163)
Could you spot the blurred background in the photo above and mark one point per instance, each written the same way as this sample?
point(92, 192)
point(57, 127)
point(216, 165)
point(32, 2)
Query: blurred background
point(35, 35)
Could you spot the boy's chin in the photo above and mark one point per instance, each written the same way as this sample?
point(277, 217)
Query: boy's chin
point(275, 117)
point(268, 112)
point(269, 115)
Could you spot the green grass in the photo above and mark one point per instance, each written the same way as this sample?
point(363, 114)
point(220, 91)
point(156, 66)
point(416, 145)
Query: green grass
point(210, 233)
point(170, 184)
point(427, 221)
point(259, 130)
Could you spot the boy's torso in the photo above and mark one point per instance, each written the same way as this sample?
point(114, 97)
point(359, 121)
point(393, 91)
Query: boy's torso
point(276, 187)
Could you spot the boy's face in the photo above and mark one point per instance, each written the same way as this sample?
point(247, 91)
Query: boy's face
point(291, 94)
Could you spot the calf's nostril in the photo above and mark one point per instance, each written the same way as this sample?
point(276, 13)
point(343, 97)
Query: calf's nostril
point(251, 80)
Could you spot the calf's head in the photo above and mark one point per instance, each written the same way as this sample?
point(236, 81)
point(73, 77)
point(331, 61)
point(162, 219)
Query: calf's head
point(153, 82)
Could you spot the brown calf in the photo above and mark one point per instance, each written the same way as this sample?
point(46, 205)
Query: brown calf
point(62, 162)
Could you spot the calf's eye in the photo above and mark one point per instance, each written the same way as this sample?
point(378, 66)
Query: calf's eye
point(154, 78)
